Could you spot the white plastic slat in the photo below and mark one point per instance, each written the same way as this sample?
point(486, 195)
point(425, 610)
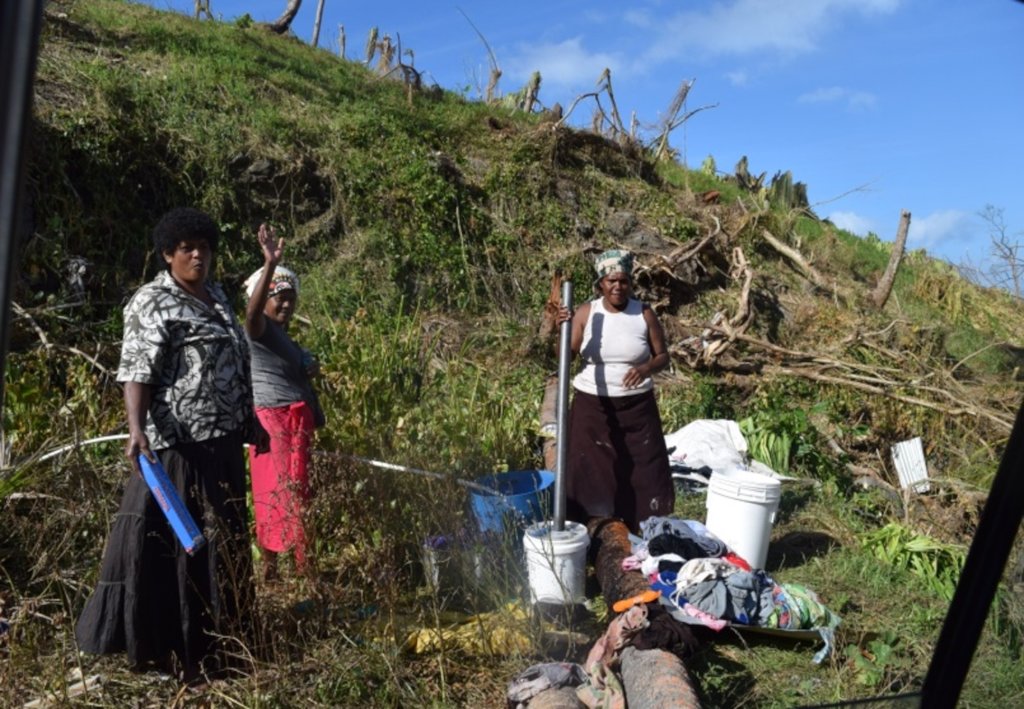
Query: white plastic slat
point(908, 457)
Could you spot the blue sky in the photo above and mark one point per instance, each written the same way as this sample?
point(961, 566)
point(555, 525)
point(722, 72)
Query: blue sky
point(877, 105)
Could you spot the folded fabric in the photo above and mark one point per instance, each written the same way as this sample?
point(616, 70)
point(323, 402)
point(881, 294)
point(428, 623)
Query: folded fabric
point(686, 529)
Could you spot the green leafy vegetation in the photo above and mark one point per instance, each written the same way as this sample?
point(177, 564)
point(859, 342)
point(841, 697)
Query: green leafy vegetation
point(937, 563)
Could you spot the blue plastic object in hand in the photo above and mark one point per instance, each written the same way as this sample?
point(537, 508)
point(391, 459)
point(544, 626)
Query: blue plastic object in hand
point(169, 502)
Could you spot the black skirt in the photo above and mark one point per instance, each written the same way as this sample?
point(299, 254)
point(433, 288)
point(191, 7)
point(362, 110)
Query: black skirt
point(154, 601)
point(617, 460)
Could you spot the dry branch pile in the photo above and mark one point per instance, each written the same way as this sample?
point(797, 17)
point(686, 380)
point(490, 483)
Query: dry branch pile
point(855, 347)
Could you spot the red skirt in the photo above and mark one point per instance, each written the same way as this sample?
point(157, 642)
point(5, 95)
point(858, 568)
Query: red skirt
point(280, 479)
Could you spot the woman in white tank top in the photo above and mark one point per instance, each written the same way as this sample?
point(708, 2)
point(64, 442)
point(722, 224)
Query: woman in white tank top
point(617, 463)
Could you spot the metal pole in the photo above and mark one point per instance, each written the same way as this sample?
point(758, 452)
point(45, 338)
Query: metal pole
point(979, 580)
point(20, 21)
point(562, 409)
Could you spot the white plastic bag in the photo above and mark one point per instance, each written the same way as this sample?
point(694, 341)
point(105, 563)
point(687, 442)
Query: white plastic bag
point(717, 444)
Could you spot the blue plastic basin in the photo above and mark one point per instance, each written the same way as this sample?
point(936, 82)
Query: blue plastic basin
point(520, 498)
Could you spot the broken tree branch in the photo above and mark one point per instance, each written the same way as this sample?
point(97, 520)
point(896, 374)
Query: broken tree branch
point(283, 23)
point(948, 395)
point(678, 101)
point(972, 355)
point(572, 106)
point(796, 259)
point(605, 81)
point(47, 345)
point(963, 409)
point(683, 253)
point(740, 269)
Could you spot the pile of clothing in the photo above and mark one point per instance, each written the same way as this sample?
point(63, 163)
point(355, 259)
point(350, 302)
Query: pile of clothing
point(596, 681)
point(702, 582)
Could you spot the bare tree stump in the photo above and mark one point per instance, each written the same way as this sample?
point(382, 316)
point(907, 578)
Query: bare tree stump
point(884, 288)
point(316, 23)
point(284, 22)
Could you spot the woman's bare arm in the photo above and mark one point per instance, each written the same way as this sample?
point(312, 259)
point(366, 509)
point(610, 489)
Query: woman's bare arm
point(272, 247)
point(137, 397)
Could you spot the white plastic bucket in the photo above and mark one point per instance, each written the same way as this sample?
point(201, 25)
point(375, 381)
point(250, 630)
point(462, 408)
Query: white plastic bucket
point(556, 562)
point(741, 509)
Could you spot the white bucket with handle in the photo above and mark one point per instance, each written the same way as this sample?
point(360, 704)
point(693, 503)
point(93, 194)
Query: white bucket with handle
point(556, 562)
point(741, 509)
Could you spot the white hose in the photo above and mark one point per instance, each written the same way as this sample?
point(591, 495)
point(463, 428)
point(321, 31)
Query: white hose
point(81, 444)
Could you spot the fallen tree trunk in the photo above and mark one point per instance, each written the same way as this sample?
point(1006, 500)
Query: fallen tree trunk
point(609, 541)
point(650, 678)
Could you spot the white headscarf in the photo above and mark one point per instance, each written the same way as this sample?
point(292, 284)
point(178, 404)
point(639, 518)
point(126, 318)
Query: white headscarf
point(283, 280)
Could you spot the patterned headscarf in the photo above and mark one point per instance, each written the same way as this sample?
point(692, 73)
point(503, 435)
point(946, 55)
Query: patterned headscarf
point(613, 261)
point(282, 281)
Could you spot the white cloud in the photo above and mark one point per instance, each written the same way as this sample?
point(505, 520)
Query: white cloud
point(939, 232)
point(853, 98)
point(852, 222)
point(737, 78)
point(563, 64)
point(937, 228)
point(729, 27)
point(741, 27)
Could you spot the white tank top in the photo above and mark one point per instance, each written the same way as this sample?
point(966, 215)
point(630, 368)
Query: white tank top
point(612, 343)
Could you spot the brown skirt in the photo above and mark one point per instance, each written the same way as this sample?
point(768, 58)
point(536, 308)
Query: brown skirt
point(617, 461)
point(154, 601)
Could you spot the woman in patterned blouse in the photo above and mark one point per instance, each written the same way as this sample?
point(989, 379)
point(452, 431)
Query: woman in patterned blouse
point(188, 395)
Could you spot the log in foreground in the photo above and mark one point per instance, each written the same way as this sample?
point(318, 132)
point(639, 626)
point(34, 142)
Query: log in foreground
point(656, 678)
point(562, 698)
point(609, 545)
point(650, 678)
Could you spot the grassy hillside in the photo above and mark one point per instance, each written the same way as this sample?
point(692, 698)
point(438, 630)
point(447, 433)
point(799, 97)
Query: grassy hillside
point(428, 228)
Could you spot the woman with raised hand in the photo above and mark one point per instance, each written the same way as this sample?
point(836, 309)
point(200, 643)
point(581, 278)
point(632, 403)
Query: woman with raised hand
point(617, 460)
point(188, 394)
point(287, 406)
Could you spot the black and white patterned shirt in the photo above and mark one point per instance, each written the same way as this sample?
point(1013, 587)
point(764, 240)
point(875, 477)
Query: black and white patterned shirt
point(195, 358)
